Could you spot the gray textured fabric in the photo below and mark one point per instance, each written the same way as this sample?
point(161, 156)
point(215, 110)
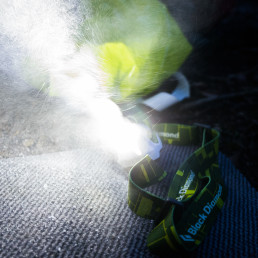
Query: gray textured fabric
point(68, 204)
point(74, 204)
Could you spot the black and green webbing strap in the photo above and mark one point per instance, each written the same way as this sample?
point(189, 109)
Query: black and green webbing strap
point(196, 192)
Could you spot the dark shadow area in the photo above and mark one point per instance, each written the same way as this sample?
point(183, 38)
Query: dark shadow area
point(223, 75)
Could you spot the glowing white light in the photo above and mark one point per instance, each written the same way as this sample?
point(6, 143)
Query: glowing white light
point(43, 32)
point(75, 83)
point(117, 133)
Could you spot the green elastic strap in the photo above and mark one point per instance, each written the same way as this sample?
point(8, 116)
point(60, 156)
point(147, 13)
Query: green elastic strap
point(195, 195)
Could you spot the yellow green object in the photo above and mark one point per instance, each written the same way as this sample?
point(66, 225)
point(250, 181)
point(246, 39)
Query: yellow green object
point(137, 43)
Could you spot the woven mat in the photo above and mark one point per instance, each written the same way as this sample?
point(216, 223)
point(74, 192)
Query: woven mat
point(73, 204)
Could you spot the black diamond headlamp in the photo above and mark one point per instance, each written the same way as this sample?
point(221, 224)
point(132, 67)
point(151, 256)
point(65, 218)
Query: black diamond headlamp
point(196, 193)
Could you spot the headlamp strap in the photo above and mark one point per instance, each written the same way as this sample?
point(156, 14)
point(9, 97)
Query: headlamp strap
point(184, 220)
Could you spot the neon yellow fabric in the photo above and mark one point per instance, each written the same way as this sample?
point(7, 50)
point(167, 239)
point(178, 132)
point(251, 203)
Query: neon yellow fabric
point(119, 63)
point(138, 44)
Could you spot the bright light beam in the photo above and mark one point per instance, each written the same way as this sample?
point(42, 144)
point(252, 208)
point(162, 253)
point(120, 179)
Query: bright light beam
point(119, 135)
